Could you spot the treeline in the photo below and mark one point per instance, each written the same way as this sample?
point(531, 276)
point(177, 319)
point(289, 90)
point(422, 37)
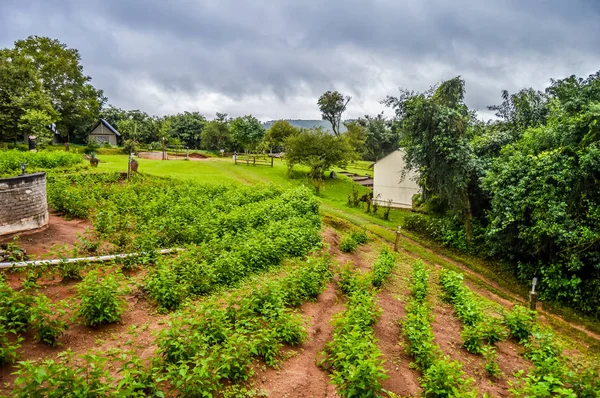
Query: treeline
point(523, 188)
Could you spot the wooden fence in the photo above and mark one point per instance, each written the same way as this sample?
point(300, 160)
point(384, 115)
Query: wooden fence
point(253, 160)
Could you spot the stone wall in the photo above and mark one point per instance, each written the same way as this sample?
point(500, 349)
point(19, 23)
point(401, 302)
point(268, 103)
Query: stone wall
point(23, 203)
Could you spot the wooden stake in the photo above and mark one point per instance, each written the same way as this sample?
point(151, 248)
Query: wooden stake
point(397, 243)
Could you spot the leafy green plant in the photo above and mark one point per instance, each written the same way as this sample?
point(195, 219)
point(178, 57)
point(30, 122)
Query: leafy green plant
point(445, 378)
point(383, 267)
point(47, 321)
point(63, 377)
point(520, 322)
point(15, 308)
point(360, 237)
point(472, 339)
point(347, 244)
point(8, 349)
point(101, 300)
point(162, 285)
point(491, 362)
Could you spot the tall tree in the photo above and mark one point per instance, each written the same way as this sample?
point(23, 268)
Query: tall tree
point(165, 132)
point(23, 102)
point(187, 127)
point(319, 151)
point(332, 105)
point(215, 134)
point(247, 132)
point(77, 102)
point(434, 128)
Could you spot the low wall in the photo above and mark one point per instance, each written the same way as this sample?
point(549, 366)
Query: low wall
point(23, 203)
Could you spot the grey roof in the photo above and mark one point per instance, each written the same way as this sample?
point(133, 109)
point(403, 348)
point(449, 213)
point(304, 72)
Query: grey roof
point(108, 126)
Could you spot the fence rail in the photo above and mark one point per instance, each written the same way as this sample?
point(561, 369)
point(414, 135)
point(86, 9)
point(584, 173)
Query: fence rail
point(253, 160)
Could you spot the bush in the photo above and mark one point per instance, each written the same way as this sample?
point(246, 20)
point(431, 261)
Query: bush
point(101, 300)
point(445, 378)
point(347, 244)
point(162, 285)
point(8, 349)
point(383, 267)
point(360, 237)
point(10, 161)
point(47, 321)
point(520, 322)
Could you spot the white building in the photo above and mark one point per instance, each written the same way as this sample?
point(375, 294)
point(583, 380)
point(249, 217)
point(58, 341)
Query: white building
point(103, 132)
point(390, 185)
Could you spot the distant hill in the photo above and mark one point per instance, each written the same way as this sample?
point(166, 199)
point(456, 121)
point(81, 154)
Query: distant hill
point(306, 124)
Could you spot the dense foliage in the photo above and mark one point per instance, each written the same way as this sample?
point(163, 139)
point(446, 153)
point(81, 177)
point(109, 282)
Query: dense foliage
point(10, 161)
point(530, 180)
point(352, 356)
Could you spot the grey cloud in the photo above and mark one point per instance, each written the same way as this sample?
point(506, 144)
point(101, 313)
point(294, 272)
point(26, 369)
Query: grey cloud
point(268, 57)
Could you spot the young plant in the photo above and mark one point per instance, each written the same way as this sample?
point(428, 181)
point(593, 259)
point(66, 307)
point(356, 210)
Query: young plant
point(101, 300)
point(347, 244)
point(520, 322)
point(8, 349)
point(383, 267)
point(360, 237)
point(47, 321)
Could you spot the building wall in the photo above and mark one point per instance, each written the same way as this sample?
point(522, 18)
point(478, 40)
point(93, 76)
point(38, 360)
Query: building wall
point(101, 134)
point(23, 203)
point(388, 183)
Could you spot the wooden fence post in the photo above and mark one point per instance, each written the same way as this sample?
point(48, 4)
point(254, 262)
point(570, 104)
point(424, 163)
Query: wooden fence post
point(397, 243)
point(271, 161)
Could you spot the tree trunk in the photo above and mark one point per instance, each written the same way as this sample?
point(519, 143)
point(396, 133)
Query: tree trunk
point(468, 217)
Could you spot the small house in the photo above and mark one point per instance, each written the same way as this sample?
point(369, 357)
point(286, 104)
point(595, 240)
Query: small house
point(392, 183)
point(103, 132)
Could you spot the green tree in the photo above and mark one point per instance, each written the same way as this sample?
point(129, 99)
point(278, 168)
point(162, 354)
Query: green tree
point(356, 136)
point(187, 127)
point(434, 134)
point(215, 134)
point(23, 102)
point(247, 132)
point(381, 137)
point(332, 105)
point(280, 131)
point(77, 102)
point(318, 150)
point(165, 132)
point(37, 123)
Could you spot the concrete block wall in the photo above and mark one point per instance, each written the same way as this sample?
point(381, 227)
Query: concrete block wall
point(23, 203)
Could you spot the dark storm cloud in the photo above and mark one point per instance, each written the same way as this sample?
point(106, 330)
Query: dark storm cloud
point(272, 58)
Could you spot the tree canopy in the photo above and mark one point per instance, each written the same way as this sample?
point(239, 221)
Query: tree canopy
point(246, 132)
point(317, 150)
point(332, 105)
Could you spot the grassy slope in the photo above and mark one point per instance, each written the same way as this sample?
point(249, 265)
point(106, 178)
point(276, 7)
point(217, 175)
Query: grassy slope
point(334, 198)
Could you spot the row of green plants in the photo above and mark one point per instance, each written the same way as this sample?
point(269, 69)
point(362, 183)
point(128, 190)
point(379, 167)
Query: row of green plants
point(208, 348)
point(100, 301)
point(10, 161)
point(350, 242)
point(151, 212)
point(442, 377)
point(203, 268)
point(480, 332)
point(352, 356)
point(215, 342)
point(552, 374)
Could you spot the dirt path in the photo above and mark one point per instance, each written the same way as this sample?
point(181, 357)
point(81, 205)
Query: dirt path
point(59, 231)
point(447, 329)
point(402, 379)
point(300, 376)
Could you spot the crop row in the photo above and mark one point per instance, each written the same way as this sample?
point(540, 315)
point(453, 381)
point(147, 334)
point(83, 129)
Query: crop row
point(442, 377)
point(10, 161)
point(151, 212)
point(205, 348)
point(352, 356)
point(480, 332)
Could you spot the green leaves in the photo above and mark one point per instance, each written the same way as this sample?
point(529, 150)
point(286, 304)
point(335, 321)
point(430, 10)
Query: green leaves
point(101, 300)
point(383, 267)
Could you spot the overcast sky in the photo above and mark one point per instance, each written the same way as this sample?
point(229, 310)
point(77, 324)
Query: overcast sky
point(274, 58)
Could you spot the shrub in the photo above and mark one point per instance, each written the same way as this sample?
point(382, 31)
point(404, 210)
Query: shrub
point(383, 267)
point(162, 285)
point(360, 237)
point(445, 378)
point(47, 321)
point(8, 349)
point(15, 308)
point(62, 378)
point(472, 339)
point(520, 322)
point(101, 300)
point(347, 244)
